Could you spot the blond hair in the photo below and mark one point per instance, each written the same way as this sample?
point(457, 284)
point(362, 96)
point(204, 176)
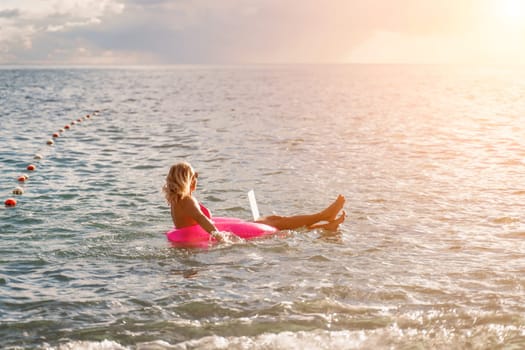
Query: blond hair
point(178, 182)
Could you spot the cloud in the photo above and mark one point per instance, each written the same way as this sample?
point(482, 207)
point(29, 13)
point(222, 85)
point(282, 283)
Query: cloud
point(198, 31)
point(231, 31)
point(210, 31)
point(9, 13)
point(23, 22)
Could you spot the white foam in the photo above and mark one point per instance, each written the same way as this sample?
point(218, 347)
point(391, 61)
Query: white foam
point(381, 339)
point(303, 340)
point(88, 345)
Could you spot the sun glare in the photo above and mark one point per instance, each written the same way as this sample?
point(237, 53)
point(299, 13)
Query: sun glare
point(513, 10)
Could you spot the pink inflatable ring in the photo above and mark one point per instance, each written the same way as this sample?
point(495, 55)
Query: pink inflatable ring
point(197, 236)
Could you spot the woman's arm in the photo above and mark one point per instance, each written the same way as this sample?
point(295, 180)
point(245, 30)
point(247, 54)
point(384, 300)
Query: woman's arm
point(205, 223)
point(193, 209)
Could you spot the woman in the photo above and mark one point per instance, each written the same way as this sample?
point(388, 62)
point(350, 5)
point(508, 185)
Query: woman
point(186, 211)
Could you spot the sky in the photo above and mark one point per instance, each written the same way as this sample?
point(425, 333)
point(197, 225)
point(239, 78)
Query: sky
point(156, 32)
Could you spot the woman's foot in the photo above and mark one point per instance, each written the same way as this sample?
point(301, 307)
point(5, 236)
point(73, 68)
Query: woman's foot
point(334, 224)
point(330, 213)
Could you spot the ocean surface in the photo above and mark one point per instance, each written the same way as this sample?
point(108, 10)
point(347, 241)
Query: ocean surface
point(431, 160)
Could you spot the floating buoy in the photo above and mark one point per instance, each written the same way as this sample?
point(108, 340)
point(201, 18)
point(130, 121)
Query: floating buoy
point(10, 202)
point(18, 190)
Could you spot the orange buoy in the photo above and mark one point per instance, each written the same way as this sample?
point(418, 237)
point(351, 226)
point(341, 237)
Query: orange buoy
point(23, 178)
point(31, 167)
point(66, 127)
point(10, 202)
point(55, 135)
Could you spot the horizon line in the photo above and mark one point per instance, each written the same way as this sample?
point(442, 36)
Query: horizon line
point(247, 64)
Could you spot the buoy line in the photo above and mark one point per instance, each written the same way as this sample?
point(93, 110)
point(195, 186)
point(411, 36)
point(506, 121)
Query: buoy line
point(31, 167)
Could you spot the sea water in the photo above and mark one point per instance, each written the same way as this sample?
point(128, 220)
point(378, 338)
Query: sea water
point(431, 160)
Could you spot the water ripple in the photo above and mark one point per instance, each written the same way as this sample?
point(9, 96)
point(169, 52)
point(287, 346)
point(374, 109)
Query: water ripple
point(429, 158)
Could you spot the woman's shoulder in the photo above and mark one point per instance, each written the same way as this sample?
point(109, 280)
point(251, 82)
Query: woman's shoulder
point(188, 201)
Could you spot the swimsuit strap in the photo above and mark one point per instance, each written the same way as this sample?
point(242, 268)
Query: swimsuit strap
point(205, 211)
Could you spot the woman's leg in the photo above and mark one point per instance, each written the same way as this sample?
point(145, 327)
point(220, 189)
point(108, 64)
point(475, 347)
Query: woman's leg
point(292, 222)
